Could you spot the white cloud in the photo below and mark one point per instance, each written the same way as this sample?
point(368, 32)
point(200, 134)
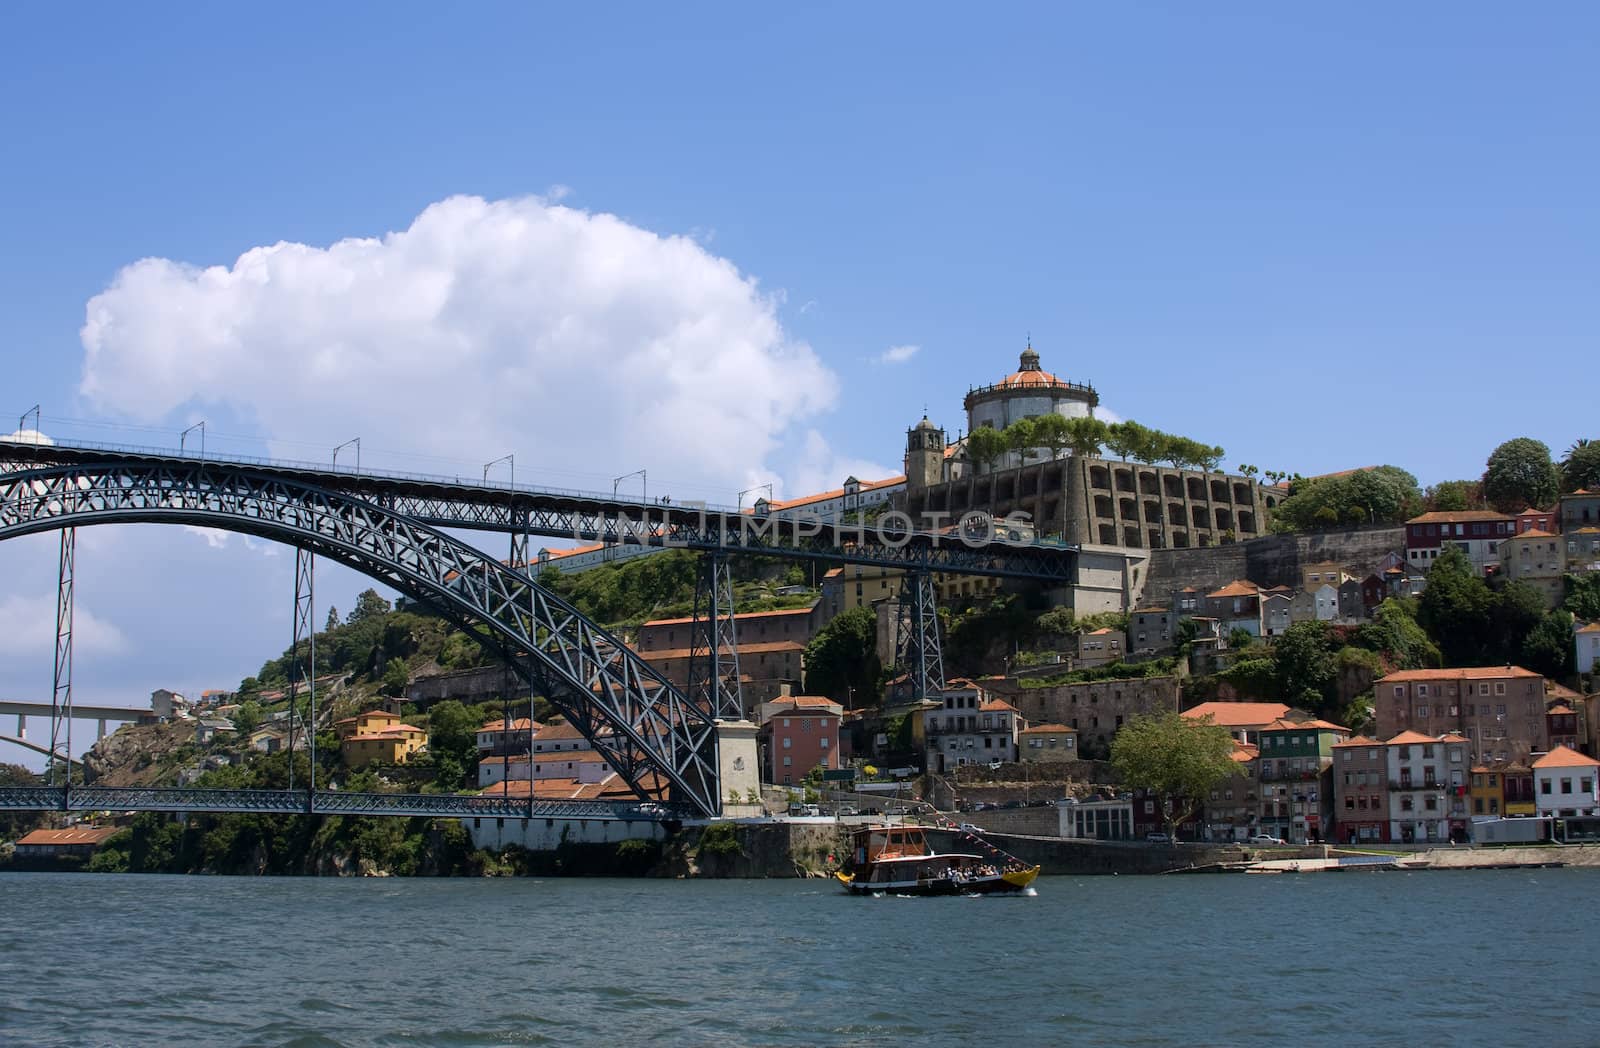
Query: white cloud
point(28, 627)
point(216, 538)
point(575, 339)
point(898, 354)
point(28, 436)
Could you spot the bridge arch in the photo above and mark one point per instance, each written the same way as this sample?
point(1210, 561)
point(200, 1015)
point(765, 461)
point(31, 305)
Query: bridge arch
point(625, 708)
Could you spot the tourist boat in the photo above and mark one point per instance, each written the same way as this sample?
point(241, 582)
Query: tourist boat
point(896, 860)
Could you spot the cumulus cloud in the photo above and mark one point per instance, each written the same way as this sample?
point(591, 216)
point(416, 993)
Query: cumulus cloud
point(823, 469)
point(28, 436)
point(898, 354)
point(572, 338)
point(28, 627)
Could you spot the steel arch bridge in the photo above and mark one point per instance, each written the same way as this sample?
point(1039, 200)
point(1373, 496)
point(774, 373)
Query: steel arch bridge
point(627, 710)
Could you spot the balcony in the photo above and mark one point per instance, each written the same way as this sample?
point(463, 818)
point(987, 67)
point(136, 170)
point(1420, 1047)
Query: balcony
point(1407, 784)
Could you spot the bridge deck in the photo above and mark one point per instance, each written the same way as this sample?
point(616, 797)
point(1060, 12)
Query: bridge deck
point(580, 516)
point(322, 802)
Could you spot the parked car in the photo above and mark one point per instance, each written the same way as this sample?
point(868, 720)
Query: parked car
point(967, 827)
point(1158, 838)
point(848, 809)
point(1267, 838)
point(898, 809)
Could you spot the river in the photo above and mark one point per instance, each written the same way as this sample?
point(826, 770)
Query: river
point(1461, 958)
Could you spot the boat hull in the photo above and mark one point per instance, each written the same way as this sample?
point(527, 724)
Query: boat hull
point(1000, 884)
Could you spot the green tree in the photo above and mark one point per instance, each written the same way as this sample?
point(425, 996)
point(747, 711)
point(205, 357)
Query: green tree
point(333, 620)
point(1240, 638)
point(1382, 495)
point(1306, 666)
point(985, 446)
point(1517, 609)
point(247, 718)
point(369, 606)
point(1520, 473)
point(1054, 432)
point(841, 661)
point(453, 732)
point(1059, 621)
point(1580, 466)
point(1395, 634)
point(1453, 495)
point(1020, 439)
point(1086, 436)
point(1177, 759)
point(1583, 596)
point(1548, 648)
point(395, 677)
point(1455, 609)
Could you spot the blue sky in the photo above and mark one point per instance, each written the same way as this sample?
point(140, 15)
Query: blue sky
point(1318, 238)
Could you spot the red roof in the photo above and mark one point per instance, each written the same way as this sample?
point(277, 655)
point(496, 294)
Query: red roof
point(1565, 757)
point(775, 506)
point(1458, 516)
point(1237, 588)
point(1047, 729)
point(996, 706)
point(1238, 714)
point(1464, 673)
point(75, 835)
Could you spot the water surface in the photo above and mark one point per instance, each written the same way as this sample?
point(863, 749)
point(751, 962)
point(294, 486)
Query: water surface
point(1461, 958)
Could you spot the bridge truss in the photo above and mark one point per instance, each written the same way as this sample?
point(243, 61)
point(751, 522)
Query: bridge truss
point(317, 802)
point(659, 741)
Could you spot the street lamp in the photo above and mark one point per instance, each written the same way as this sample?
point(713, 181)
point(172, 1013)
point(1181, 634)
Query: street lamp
point(353, 440)
point(22, 423)
point(510, 460)
point(758, 487)
point(184, 436)
point(644, 484)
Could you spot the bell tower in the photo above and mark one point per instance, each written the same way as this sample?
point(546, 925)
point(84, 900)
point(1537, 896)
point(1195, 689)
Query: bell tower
point(924, 455)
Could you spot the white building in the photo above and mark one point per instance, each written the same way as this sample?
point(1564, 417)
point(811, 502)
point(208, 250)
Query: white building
point(168, 704)
point(831, 506)
point(583, 766)
point(970, 728)
point(1586, 644)
point(1427, 779)
point(1565, 783)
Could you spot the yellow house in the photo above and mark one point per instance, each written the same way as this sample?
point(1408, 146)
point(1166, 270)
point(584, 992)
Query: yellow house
point(378, 737)
point(1488, 791)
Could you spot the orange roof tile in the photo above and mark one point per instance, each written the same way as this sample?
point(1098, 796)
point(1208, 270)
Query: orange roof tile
point(1409, 738)
point(1359, 740)
point(1565, 757)
point(1535, 533)
point(744, 616)
point(73, 835)
point(1559, 709)
point(1593, 627)
point(1464, 673)
point(777, 505)
point(1284, 724)
point(1048, 729)
point(517, 724)
point(996, 706)
point(1237, 588)
point(764, 648)
point(1238, 714)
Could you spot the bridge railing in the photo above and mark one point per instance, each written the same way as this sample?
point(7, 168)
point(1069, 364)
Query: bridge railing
point(322, 802)
point(351, 472)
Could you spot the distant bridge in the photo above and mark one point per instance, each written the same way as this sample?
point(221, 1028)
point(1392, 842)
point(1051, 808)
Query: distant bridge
point(318, 802)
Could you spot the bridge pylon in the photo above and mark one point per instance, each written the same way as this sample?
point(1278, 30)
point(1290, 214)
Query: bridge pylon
point(714, 643)
point(61, 695)
point(920, 653)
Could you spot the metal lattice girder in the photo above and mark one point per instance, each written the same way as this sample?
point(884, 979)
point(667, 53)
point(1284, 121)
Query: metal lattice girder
point(61, 696)
point(294, 802)
point(714, 642)
point(440, 503)
point(305, 630)
point(921, 653)
point(643, 726)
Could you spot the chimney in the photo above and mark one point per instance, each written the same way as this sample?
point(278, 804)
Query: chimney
point(785, 691)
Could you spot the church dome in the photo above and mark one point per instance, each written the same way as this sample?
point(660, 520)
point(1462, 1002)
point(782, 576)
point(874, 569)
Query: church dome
point(926, 425)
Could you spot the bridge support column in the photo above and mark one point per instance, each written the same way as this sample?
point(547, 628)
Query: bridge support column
point(100, 730)
point(921, 654)
point(714, 646)
point(305, 630)
point(738, 771)
point(61, 697)
point(22, 727)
